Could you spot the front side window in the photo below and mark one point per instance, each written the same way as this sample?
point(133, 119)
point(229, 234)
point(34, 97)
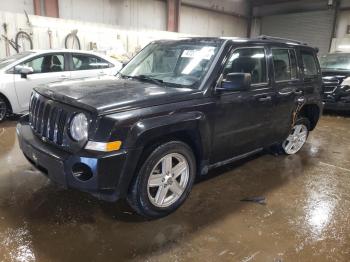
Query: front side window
point(284, 62)
point(309, 62)
point(248, 60)
point(46, 64)
point(178, 63)
point(88, 62)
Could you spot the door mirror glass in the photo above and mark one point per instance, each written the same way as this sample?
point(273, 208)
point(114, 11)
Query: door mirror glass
point(24, 70)
point(235, 82)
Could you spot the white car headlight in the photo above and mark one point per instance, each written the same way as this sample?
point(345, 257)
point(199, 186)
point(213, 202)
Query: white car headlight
point(79, 127)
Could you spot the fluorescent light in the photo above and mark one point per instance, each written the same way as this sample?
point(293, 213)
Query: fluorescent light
point(344, 46)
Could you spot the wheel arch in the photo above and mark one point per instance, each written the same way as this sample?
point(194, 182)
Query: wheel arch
point(7, 101)
point(312, 112)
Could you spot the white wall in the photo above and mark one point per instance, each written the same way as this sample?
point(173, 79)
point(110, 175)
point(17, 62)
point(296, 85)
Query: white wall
point(110, 39)
point(208, 23)
point(135, 14)
point(17, 6)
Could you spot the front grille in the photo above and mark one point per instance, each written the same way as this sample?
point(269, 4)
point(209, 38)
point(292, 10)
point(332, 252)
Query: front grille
point(47, 119)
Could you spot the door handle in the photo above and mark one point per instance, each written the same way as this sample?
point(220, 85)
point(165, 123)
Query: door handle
point(265, 98)
point(285, 93)
point(299, 92)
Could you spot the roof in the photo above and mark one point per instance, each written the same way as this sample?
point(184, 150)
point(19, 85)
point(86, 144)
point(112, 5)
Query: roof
point(260, 39)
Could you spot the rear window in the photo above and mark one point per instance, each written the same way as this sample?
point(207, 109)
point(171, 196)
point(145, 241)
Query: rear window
point(309, 63)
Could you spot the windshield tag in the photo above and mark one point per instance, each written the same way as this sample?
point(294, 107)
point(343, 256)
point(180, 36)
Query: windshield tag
point(204, 53)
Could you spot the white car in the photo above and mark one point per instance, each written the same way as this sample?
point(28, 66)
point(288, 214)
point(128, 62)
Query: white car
point(21, 72)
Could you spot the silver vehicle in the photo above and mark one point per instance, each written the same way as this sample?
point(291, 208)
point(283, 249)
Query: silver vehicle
point(21, 72)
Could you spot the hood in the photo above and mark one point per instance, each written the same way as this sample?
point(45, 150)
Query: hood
point(333, 72)
point(110, 94)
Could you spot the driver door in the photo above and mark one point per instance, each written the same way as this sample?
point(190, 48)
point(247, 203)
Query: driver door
point(46, 69)
point(243, 118)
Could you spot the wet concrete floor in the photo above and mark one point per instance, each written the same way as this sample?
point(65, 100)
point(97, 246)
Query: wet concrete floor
point(306, 216)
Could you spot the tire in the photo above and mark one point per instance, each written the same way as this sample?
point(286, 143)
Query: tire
point(295, 141)
point(75, 40)
point(3, 109)
point(26, 36)
point(145, 194)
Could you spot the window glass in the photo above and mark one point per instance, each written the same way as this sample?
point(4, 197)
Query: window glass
point(248, 60)
point(281, 64)
point(46, 64)
point(309, 62)
point(87, 62)
point(179, 63)
point(11, 59)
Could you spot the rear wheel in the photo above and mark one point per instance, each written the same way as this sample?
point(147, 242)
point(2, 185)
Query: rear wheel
point(3, 109)
point(297, 137)
point(164, 180)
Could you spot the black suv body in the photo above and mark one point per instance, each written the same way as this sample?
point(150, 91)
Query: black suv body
point(336, 82)
point(121, 137)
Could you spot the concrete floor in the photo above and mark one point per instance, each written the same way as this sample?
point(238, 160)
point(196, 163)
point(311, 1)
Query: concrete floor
point(306, 216)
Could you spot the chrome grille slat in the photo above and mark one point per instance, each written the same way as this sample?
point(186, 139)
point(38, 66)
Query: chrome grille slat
point(55, 132)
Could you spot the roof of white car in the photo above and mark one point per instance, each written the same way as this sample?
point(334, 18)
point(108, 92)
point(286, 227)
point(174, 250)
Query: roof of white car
point(41, 51)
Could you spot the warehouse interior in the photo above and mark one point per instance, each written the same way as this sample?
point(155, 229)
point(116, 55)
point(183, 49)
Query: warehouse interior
point(264, 207)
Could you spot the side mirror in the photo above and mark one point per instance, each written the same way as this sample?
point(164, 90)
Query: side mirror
point(235, 82)
point(24, 70)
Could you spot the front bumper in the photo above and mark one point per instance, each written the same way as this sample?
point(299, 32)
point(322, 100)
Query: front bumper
point(333, 103)
point(111, 173)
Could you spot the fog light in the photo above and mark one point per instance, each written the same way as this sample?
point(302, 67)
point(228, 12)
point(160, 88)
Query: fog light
point(82, 172)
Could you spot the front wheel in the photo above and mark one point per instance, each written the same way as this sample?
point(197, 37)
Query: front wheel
point(164, 180)
point(297, 137)
point(3, 109)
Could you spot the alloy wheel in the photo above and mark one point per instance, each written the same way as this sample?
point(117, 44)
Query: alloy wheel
point(168, 180)
point(296, 139)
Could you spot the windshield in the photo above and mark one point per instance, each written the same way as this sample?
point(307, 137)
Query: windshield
point(335, 61)
point(9, 60)
point(173, 63)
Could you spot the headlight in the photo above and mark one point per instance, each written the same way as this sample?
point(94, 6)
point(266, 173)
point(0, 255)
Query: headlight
point(79, 127)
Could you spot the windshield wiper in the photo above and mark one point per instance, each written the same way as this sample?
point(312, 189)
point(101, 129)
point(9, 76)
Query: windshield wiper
point(143, 78)
point(148, 78)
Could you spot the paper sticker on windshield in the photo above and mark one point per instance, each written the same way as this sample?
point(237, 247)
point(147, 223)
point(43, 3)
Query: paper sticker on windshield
point(205, 53)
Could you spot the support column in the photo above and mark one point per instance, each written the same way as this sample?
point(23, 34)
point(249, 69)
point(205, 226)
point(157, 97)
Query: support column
point(173, 14)
point(46, 8)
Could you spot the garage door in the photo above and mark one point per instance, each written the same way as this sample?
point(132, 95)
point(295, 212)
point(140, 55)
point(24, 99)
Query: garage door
point(314, 28)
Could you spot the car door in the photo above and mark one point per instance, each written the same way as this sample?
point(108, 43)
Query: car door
point(86, 65)
point(47, 68)
point(243, 121)
point(288, 85)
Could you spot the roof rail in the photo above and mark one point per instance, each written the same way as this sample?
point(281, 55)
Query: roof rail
point(280, 39)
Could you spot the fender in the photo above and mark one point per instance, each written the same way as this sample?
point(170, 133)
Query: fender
point(146, 130)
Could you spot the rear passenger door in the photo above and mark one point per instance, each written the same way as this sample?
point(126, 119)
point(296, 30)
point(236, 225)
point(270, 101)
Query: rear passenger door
point(288, 85)
point(243, 118)
point(85, 65)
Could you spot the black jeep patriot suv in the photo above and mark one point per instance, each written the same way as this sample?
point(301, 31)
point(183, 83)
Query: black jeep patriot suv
point(175, 111)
